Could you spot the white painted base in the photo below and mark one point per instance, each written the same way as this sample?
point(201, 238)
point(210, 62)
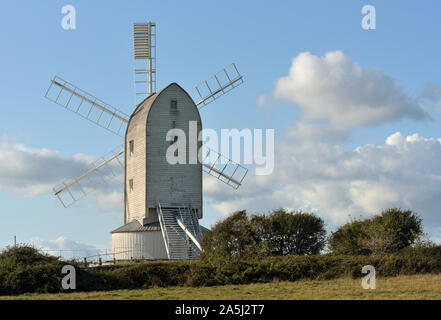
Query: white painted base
point(138, 245)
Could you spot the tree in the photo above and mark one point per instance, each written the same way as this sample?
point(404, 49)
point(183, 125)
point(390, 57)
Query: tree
point(279, 233)
point(379, 240)
point(233, 238)
point(282, 232)
point(348, 239)
point(391, 231)
point(404, 226)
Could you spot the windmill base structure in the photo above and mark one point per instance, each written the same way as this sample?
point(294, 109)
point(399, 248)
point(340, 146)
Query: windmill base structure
point(162, 201)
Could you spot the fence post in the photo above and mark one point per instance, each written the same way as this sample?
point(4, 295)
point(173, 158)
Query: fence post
point(85, 262)
point(100, 261)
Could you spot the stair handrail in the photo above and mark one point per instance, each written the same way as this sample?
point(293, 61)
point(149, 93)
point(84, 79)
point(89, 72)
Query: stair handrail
point(163, 229)
point(197, 227)
point(189, 234)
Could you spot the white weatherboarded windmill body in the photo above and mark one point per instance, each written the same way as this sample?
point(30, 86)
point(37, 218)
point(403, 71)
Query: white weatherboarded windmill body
point(163, 201)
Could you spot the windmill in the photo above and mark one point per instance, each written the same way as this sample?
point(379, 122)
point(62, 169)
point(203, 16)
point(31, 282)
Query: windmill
point(162, 201)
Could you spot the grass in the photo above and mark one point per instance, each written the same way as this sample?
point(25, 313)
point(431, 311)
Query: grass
point(401, 287)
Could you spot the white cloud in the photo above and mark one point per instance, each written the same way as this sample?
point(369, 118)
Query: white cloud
point(108, 201)
point(67, 248)
point(33, 172)
point(336, 89)
point(315, 132)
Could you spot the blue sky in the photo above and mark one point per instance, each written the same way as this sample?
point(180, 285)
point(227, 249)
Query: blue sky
point(196, 39)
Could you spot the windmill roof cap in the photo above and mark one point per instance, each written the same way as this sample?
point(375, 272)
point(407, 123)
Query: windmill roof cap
point(154, 95)
point(142, 110)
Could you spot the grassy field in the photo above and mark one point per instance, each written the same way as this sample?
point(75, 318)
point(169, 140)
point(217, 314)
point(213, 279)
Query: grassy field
point(402, 287)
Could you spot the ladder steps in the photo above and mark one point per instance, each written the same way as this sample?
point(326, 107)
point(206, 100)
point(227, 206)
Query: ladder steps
point(178, 243)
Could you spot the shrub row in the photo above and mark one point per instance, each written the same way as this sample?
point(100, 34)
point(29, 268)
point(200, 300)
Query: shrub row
point(282, 268)
point(44, 274)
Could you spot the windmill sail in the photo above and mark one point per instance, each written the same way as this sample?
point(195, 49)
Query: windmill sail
point(103, 169)
point(219, 84)
point(222, 168)
point(87, 106)
point(144, 52)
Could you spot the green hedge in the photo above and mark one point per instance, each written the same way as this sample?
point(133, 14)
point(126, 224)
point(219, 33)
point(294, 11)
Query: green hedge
point(26, 270)
point(283, 268)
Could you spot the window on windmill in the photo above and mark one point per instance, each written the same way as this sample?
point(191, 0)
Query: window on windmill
point(131, 147)
point(131, 184)
point(174, 104)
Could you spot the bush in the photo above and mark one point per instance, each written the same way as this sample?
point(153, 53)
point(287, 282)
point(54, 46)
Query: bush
point(25, 269)
point(401, 228)
point(348, 239)
point(201, 275)
point(393, 230)
point(283, 232)
point(150, 274)
point(232, 239)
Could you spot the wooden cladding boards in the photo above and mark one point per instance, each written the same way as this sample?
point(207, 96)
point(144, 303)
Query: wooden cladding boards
point(135, 165)
point(154, 179)
point(180, 183)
